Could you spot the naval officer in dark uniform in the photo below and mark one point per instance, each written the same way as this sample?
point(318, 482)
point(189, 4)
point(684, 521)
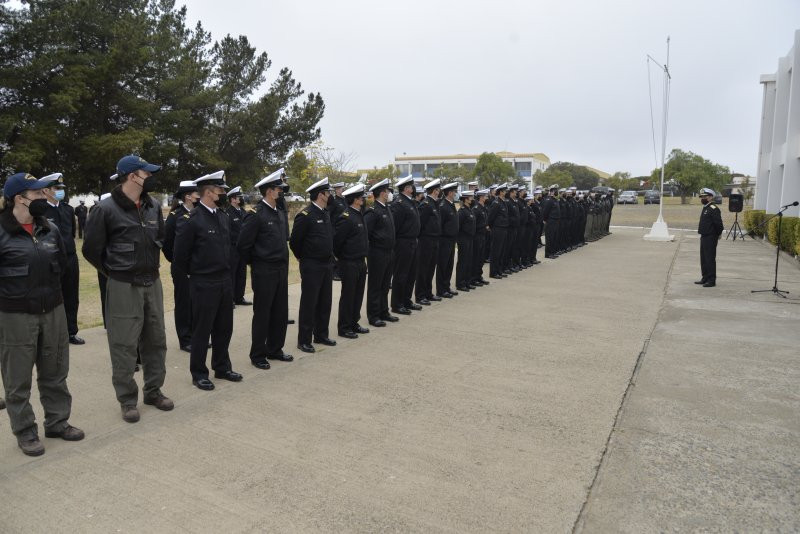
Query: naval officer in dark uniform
point(236, 212)
point(262, 244)
point(428, 250)
point(312, 244)
point(481, 231)
point(406, 224)
point(351, 246)
point(381, 234)
point(710, 229)
point(203, 251)
point(447, 241)
point(498, 223)
point(466, 237)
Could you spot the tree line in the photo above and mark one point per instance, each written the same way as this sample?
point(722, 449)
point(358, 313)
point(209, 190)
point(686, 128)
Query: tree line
point(84, 82)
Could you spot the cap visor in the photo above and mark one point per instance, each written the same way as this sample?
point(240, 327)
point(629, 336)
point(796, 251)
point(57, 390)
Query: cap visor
point(152, 168)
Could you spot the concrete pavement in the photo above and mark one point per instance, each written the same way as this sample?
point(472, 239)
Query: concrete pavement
point(489, 412)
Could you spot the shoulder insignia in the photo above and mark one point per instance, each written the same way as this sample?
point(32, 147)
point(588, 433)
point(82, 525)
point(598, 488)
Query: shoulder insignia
point(186, 216)
point(713, 206)
point(346, 214)
point(303, 212)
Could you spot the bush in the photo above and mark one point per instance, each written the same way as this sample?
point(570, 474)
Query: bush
point(788, 233)
point(753, 218)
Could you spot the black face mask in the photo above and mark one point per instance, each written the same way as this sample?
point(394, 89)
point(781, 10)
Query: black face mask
point(704, 201)
point(150, 184)
point(221, 201)
point(38, 207)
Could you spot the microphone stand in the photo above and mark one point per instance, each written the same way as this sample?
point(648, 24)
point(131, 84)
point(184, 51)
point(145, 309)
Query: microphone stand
point(774, 289)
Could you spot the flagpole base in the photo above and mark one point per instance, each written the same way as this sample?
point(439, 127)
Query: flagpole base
point(659, 232)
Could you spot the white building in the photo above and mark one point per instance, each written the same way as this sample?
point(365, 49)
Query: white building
point(778, 173)
point(423, 166)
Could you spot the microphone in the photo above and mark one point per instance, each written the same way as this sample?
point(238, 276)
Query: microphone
point(795, 203)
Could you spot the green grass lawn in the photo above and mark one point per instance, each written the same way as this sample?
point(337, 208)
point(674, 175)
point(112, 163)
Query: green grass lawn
point(677, 215)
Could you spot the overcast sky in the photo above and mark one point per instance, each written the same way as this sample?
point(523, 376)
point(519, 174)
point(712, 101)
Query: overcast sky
point(566, 78)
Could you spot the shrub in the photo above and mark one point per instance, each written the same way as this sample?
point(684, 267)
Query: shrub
point(752, 218)
point(788, 233)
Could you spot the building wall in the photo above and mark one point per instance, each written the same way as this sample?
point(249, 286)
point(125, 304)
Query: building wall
point(778, 173)
point(423, 166)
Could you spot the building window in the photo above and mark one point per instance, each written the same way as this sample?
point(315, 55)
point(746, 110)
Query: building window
point(417, 169)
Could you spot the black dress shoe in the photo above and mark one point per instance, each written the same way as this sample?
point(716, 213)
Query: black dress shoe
point(424, 302)
point(325, 341)
point(452, 293)
point(261, 365)
point(204, 383)
point(360, 329)
point(402, 311)
point(435, 298)
point(289, 321)
point(186, 348)
point(473, 286)
point(348, 335)
point(306, 347)
point(496, 277)
point(378, 323)
point(709, 284)
point(536, 262)
point(228, 375)
point(281, 357)
point(75, 340)
point(243, 302)
point(415, 307)
point(700, 282)
point(390, 318)
point(445, 296)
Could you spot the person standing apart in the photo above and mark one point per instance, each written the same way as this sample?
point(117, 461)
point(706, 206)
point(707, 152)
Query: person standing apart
point(60, 213)
point(124, 237)
point(710, 229)
point(186, 198)
point(33, 326)
point(381, 234)
point(312, 244)
point(81, 212)
point(203, 252)
point(351, 246)
point(262, 244)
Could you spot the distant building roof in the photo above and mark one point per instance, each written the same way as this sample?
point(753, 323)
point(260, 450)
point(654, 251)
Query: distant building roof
point(534, 155)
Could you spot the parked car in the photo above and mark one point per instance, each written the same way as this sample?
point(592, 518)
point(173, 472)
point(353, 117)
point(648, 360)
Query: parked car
point(627, 197)
point(717, 198)
point(294, 197)
point(652, 197)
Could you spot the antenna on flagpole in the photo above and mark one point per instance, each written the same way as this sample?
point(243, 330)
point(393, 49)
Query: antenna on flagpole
point(660, 230)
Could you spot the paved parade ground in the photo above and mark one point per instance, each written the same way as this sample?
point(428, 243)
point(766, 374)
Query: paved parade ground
point(602, 391)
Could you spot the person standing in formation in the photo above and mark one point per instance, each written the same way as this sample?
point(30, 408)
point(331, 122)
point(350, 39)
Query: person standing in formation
point(481, 231)
point(351, 246)
point(381, 233)
point(447, 241)
point(237, 214)
point(407, 226)
point(498, 224)
point(466, 236)
point(430, 231)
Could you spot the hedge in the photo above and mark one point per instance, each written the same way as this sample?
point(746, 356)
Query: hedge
point(788, 233)
point(752, 218)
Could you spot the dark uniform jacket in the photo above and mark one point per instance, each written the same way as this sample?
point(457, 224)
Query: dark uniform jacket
point(429, 218)
point(524, 211)
point(513, 213)
point(203, 244)
point(236, 216)
point(498, 214)
point(406, 217)
point(449, 219)
point(124, 242)
point(551, 209)
point(336, 206)
point(312, 234)
point(710, 221)
point(30, 266)
point(281, 205)
point(174, 218)
point(63, 216)
point(380, 226)
point(81, 212)
point(350, 240)
point(263, 237)
point(466, 223)
point(481, 215)
point(534, 214)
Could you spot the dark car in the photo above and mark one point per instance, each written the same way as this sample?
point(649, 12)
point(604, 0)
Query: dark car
point(652, 197)
point(717, 197)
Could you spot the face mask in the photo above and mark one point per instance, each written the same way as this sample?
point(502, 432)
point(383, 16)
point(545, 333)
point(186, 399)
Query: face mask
point(150, 184)
point(37, 207)
point(221, 201)
point(390, 197)
point(194, 203)
point(59, 194)
point(704, 200)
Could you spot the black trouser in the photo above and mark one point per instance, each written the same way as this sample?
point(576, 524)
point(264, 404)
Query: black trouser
point(487, 247)
point(81, 224)
point(519, 250)
point(465, 262)
point(354, 276)
point(511, 239)
point(708, 257)
point(212, 315)
point(444, 266)
point(498, 243)
point(102, 280)
point(428, 256)
point(379, 263)
point(551, 237)
point(535, 237)
point(238, 275)
point(316, 286)
point(478, 255)
point(405, 271)
point(183, 308)
point(70, 279)
point(270, 309)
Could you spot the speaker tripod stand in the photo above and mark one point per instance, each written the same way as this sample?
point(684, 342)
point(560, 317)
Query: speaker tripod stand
point(736, 229)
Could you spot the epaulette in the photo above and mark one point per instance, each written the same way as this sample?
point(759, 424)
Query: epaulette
point(248, 209)
point(303, 212)
point(346, 214)
point(191, 214)
point(713, 206)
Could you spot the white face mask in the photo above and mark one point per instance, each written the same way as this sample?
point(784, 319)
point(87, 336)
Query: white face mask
point(390, 197)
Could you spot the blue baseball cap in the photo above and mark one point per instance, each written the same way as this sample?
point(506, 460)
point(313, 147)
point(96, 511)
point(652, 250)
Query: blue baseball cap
point(132, 163)
point(22, 181)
